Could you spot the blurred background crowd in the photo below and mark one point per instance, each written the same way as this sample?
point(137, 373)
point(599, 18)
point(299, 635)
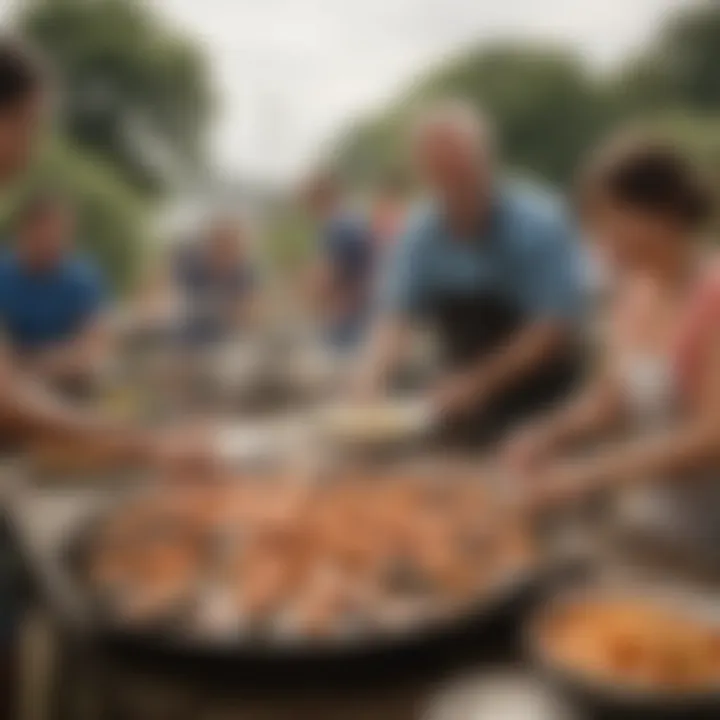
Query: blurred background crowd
point(136, 101)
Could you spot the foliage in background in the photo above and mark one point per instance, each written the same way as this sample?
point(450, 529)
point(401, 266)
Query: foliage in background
point(289, 239)
point(550, 108)
point(132, 92)
point(134, 103)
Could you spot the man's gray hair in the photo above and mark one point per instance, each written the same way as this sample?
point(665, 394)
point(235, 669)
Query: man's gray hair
point(460, 118)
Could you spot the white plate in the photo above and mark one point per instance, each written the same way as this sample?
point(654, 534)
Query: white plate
point(383, 421)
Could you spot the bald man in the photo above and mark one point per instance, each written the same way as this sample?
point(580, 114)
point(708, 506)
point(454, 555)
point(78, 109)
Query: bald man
point(492, 267)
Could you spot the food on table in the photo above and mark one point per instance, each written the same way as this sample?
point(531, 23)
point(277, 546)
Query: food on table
point(376, 422)
point(307, 560)
point(633, 642)
point(145, 575)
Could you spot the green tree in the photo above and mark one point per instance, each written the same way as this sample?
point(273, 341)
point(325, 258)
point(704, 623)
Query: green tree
point(699, 134)
point(687, 53)
point(550, 108)
point(131, 91)
point(543, 100)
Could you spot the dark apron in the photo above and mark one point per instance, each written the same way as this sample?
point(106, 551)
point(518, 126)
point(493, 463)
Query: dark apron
point(472, 326)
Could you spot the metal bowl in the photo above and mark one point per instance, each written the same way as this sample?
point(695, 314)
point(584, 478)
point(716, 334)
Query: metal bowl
point(601, 698)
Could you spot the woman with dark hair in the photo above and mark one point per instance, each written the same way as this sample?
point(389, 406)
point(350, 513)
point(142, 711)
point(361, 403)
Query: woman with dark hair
point(646, 206)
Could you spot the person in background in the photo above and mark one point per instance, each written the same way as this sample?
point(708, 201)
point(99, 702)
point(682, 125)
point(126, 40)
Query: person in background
point(217, 283)
point(51, 298)
point(646, 206)
point(389, 210)
point(342, 273)
point(491, 267)
point(25, 406)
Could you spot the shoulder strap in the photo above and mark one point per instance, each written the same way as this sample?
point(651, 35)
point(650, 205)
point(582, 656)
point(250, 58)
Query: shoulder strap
point(701, 318)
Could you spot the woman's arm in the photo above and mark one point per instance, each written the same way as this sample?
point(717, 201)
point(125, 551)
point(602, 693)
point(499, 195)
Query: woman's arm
point(594, 411)
point(693, 444)
point(591, 413)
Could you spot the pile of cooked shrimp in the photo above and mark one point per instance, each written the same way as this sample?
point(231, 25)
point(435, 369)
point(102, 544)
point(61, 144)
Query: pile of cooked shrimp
point(276, 557)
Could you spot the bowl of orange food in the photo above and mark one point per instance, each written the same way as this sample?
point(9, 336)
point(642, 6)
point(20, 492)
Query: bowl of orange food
point(632, 653)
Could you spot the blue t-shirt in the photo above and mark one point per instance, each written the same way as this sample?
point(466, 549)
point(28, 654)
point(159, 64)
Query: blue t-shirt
point(201, 283)
point(348, 247)
point(527, 253)
point(211, 295)
point(41, 309)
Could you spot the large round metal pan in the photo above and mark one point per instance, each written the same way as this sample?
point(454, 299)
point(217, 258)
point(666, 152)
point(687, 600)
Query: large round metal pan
point(604, 700)
point(485, 629)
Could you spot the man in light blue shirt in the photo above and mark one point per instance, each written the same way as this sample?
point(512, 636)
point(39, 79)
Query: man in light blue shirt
point(494, 269)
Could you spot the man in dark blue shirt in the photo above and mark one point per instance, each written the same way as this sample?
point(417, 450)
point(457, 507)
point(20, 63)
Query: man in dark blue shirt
point(493, 267)
point(51, 298)
point(217, 282)
point(342, 275)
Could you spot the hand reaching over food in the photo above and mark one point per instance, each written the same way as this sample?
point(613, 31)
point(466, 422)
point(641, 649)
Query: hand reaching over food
point(186, 451)
point(557, 486)
point(176, 452)
point(458, 395)
point(527, 450)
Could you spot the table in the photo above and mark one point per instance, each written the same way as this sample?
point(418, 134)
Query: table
point(85, 685)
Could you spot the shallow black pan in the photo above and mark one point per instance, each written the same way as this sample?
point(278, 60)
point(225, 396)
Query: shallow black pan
point(598, 699)
point(485, 631)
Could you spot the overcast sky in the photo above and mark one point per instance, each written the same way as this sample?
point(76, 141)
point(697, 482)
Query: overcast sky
point(289, 73)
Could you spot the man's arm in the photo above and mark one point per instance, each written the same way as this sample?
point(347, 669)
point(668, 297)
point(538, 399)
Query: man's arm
point(79, 357)
point(34, 413)
point(385, 351)
point(527, 350)
point(401, 299)
point(552, 295)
